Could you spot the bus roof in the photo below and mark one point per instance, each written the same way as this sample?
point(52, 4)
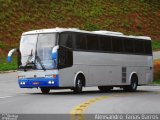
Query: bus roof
point(100, 32)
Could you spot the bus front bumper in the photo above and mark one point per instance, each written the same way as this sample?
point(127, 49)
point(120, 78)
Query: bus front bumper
point(38, 82)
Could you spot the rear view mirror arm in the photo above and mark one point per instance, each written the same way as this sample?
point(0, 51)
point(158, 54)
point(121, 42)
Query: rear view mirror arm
point(10, 54)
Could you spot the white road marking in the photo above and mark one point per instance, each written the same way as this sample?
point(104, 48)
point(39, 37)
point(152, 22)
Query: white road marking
point(5, 97)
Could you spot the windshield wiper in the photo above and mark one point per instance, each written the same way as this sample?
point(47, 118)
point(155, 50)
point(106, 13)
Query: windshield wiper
point(39, 60)
point(31, 64)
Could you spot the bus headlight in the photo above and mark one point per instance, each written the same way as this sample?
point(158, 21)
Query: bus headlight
point(50, 82)
point(22, 83)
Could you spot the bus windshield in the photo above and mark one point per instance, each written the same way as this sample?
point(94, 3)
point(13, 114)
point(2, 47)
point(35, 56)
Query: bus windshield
point(37, 49)
point(27, 48)
point(46, 42)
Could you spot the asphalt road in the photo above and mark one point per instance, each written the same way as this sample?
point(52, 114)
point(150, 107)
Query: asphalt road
point(31, 101)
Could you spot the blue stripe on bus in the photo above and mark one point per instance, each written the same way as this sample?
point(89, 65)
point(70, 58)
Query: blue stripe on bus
point(54, 55)
point(9, 58)
point(38, 82)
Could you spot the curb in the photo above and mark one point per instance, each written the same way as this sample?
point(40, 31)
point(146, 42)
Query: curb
point(154, 84)
point(10, 71)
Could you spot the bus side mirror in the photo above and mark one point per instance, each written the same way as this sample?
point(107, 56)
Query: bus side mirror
point(10, 54)
point(54, 52)
point(65, 57)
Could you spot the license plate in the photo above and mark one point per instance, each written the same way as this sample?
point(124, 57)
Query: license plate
point(35, 83)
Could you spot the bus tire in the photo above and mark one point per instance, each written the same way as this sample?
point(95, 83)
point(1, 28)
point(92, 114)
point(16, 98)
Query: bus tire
point(133, 85)
point(79, 85)
point(105, 88)
point(45, 90)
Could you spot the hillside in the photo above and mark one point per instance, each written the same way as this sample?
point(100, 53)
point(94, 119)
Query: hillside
point(136, 17)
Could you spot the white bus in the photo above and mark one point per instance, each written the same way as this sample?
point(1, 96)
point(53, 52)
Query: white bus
point(69, 58)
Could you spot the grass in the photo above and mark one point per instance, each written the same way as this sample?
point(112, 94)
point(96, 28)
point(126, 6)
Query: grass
point(24, 18)
point(136, 17)
point(156, 45)
point(91, 27)
point(108, 22)
point(127, 24)
point(115, 15)
point(156, 82)
point(5, 66)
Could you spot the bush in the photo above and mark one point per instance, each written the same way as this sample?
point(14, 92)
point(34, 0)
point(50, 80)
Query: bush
point(156, 45)
point(157, 70)
point(91, 27)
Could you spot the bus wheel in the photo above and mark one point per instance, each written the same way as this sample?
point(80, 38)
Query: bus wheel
point(45, 90)
point(133, 86)
point(79, 86)
point(105, 88)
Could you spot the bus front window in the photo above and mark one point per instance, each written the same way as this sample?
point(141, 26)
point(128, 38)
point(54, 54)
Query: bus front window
point(46, 42)
point(27, 48)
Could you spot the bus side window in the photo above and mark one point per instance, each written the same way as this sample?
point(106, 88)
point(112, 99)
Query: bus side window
point(69, 41)
point(117, 44)
point(65, 57)
point(105, 43)
point(148, 48)
point(139, 46)
point(80, 41)
point(92, 42)
point(66, 40)
point(128, 45)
